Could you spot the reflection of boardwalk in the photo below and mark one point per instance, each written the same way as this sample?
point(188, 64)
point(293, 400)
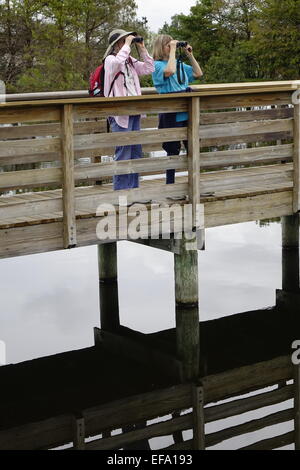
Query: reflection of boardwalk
point(94, 391)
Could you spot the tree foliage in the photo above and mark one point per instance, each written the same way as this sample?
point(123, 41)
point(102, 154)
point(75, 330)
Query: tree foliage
point(54, 44)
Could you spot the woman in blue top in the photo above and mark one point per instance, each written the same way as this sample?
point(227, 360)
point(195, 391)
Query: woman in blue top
point(171, 76)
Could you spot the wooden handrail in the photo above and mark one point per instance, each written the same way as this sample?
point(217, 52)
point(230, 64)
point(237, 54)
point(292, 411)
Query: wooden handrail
point(286, 85)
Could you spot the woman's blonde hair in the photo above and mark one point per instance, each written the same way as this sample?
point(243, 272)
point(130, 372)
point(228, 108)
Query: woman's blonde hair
point(159, 43)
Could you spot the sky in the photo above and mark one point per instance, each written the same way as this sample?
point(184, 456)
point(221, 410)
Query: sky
point(160, 11)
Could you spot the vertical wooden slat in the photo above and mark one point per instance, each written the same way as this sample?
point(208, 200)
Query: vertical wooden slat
point(296, 198)
point(198, 418)
point(79, 433)
point(297, 406)
point(68, 186)
point(194, 154)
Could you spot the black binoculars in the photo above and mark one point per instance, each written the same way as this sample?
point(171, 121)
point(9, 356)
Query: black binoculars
point(138, 39)
point(182, 44)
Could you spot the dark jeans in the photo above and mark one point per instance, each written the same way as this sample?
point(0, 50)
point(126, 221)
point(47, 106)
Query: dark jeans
point(168, 120)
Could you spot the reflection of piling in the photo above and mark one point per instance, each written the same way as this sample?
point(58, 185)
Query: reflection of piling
point(187, 310)
point(290, 253)
point(108, 281)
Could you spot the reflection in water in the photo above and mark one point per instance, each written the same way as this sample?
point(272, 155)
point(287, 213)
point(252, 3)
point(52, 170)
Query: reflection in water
point(246, 319)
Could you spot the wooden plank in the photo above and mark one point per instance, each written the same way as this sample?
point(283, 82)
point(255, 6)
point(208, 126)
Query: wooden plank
point(244, 405)
point(68, 193)
point(132, 107)
point(198, 418)
point(138, 408)
point(296, 192)
point(297, 406)
point(164, 428)
point(256, 207)
point(273, 443)
point(246, 100)
point(100, 171)
point(248, 427)
point(245, 379)
point(12, 114)
point(243, 116)
point(246, 128)
point(30, 178)
point(129, 138)
point(194, 156)
point(29, 146)
point(257, 155)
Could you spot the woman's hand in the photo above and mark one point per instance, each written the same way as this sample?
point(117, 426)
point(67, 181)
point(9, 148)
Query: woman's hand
point(129, 40)
point(141, 46)
point(173, 44)
point(188, 50)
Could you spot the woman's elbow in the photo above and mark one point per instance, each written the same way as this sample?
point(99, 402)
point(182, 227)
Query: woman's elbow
point(169, 73)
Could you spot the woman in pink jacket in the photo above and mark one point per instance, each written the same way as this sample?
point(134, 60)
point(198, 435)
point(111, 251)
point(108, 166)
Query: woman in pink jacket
point(122, 79)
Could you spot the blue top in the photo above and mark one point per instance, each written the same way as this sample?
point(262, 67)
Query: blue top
point(170, 84)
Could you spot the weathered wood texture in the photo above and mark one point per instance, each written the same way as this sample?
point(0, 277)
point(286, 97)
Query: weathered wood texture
point(241, 194)
point(296, 200)
point(68, 192)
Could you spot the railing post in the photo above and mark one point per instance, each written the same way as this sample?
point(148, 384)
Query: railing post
point(68, 185)
point(78, 433)
point(194, 154)
point(198, 417)
point(296, 196)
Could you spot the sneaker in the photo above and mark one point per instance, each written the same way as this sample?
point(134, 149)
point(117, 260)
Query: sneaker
point(177, 198)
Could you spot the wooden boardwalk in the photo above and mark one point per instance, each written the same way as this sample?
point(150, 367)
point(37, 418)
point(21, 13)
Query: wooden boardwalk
point(243, 164)
point(44, 209)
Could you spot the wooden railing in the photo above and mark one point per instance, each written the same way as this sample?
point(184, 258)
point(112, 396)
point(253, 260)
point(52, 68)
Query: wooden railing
point(62, 131)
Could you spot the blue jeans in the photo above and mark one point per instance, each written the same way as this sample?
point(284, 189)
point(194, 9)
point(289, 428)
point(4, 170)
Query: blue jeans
point(168, 120)
point(127, 152)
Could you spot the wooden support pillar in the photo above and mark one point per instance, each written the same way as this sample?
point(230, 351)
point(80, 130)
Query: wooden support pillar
point(297, 406)
point(68, 184)
point(187, 310)
point(290, 253)
point(108, 284)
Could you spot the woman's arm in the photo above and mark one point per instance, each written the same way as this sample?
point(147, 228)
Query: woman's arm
point(113, 63)
point(197, 71)
point(147, 66)
point(171, 65)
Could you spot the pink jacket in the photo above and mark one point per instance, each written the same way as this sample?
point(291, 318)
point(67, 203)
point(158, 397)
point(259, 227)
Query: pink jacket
point(115, 64)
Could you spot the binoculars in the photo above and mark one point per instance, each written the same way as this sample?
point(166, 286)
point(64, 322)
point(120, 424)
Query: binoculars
point(138, 39)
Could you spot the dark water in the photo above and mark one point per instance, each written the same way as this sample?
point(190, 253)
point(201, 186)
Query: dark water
point(50, 302)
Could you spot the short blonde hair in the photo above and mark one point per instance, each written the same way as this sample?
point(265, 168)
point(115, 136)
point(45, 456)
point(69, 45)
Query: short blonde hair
point(159, 43)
